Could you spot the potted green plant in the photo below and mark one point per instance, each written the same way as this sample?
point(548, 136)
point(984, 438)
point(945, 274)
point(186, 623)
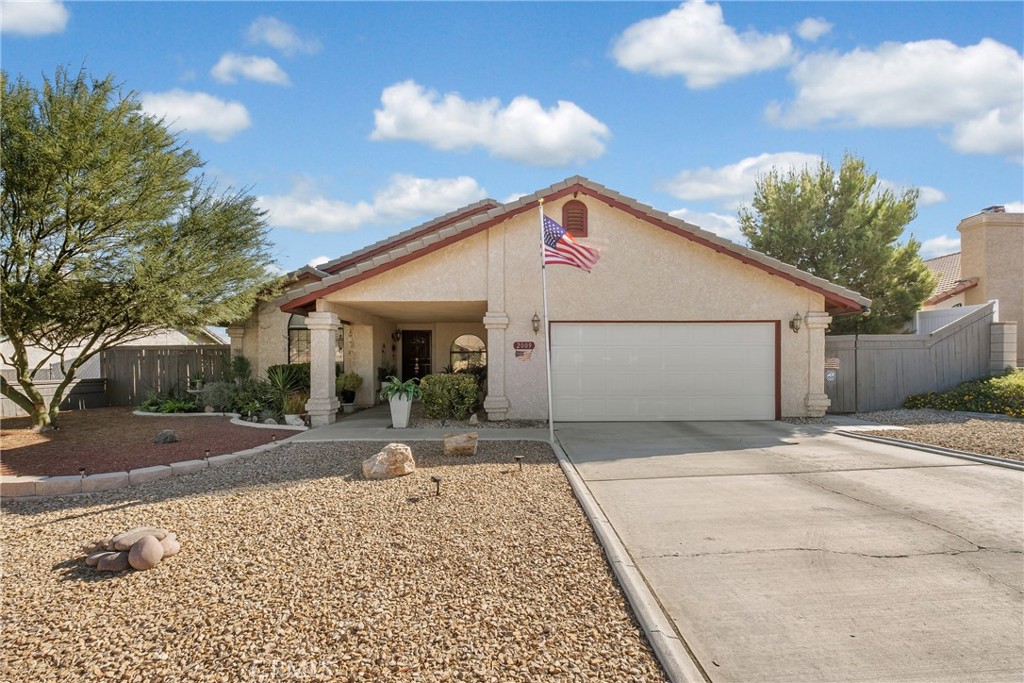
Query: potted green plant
point(400, 395)
point(347, 385)
point(293, 407)
point(198, 380)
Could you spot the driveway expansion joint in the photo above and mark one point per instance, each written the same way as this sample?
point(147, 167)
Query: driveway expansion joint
point(900, 556)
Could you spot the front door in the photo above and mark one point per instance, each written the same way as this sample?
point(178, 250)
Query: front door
point(415, 354)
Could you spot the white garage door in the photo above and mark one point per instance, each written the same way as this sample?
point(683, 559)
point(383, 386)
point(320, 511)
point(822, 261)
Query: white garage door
point(663, 371)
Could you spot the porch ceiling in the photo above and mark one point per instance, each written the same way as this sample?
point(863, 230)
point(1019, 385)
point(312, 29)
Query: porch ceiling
point(423, 311)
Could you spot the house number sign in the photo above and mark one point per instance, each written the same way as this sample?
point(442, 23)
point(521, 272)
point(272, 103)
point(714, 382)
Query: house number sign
point(523, 345)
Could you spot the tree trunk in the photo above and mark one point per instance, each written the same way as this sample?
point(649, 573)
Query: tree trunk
point(31, 401)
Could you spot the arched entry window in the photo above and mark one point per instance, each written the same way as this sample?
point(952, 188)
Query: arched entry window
point(468, 353)
point(298, 342)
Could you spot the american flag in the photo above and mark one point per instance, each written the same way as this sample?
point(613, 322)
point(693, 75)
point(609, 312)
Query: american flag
point(561, 248)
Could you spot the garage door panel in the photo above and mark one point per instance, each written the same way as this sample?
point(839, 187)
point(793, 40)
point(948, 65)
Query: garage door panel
point(663, 371)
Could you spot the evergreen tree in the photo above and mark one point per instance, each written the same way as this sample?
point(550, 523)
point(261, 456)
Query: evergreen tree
point(108, 232)
point(845, 228)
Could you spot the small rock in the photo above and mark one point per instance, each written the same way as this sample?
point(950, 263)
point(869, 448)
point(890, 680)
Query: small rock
point(208, 409)
point(461, 444)
point(113, 562)
point(97, 545)
point(126, 540)
point(473, 419)
point(146, 553)
point(94, 558)
point(166, 436)
point(394, 461)
point(170, 545)
point(270, 421)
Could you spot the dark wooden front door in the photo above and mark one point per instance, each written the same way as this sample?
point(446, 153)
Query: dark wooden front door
point(415, 354)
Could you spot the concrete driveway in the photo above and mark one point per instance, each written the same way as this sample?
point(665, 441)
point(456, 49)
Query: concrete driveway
point(786, 553)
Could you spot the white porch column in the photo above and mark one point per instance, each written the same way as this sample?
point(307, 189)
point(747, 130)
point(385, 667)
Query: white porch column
point(817, 401)
point(323, 404)
point(236, 333)
point(496, 403)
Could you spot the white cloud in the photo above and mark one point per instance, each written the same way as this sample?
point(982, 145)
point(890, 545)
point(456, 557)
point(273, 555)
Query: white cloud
point(408, 196)
point(198, 112)
point(693, 41)
point(318, 261)
point(999, 131)
point(263, 69)
point(812, 28)
point(404, 198)
point(280, 36)
point(926, 196)
point(722, 225)
point(37, 18)
point(939, 246)
point(735, 183)
point(1014, 207)
point(522, 131)
point(930, 195)
point(979, 90)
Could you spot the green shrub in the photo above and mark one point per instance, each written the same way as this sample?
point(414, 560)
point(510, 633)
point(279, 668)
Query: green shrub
point(239, 370)
point(350, 381)
point(253, 397)
point(165, 403)
point(297, 375)
point(1001, 395)
point(448, 396)
point(295, 403)
point(219, 395)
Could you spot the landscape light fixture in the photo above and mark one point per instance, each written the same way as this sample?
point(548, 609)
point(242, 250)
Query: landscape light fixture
point(796, 322)
point(437, 480)
point(81, 472)
point(206, 454)
point(536, 323)
point(519, 459)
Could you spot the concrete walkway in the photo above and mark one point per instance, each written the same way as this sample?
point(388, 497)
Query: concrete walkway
point(374, 424)
point(786, 553)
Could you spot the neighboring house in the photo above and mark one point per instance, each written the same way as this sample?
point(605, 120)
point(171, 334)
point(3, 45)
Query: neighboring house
point(674, 323)
point(91, 368)
point(989, 266)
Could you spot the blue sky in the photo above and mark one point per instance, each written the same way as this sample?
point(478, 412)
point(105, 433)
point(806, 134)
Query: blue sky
point(353, 121)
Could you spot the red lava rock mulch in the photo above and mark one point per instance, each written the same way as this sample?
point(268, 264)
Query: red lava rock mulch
point(114, 440)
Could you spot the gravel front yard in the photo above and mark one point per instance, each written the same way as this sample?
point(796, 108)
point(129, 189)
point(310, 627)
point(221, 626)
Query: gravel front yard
point(295, 568)
point(1001, 438)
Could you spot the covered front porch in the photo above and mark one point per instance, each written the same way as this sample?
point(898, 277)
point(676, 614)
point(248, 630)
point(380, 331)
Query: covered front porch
point(408, 339)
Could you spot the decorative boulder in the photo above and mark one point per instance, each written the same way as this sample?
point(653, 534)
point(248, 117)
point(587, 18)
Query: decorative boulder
point(460, 444)
point(166, 436)
point(93, 559)
point(170, 545)
point(126, 540)
point(113, 562)
point(146, 553)
point(394, 461)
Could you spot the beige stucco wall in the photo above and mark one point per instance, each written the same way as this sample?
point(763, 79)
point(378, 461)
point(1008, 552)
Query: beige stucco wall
point(645, 274)
point(992, 250)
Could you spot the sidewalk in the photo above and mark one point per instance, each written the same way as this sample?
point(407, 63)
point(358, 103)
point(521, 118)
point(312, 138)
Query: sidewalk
point(374, 424)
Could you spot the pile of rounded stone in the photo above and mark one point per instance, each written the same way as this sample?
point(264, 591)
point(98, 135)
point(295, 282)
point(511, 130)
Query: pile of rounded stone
point(141, 548)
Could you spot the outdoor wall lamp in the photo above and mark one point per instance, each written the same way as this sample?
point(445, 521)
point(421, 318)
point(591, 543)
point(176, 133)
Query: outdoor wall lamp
point(536, 323)
point(796, 322)
point(396, 335)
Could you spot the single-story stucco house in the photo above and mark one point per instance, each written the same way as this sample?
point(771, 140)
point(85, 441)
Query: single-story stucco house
point(674, 323)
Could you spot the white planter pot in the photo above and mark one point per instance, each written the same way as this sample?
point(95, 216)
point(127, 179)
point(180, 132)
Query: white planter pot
point(348, 408)
point(401, 408)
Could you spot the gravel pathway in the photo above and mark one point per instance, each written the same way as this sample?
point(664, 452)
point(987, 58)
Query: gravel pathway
point(1003, 438)
point(295, 568)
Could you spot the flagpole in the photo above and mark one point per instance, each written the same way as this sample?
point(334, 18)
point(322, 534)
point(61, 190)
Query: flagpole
point(547, 324)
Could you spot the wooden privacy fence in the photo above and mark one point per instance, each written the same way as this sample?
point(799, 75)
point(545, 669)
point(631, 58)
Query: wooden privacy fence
point(879, 371)
point(132, 372)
